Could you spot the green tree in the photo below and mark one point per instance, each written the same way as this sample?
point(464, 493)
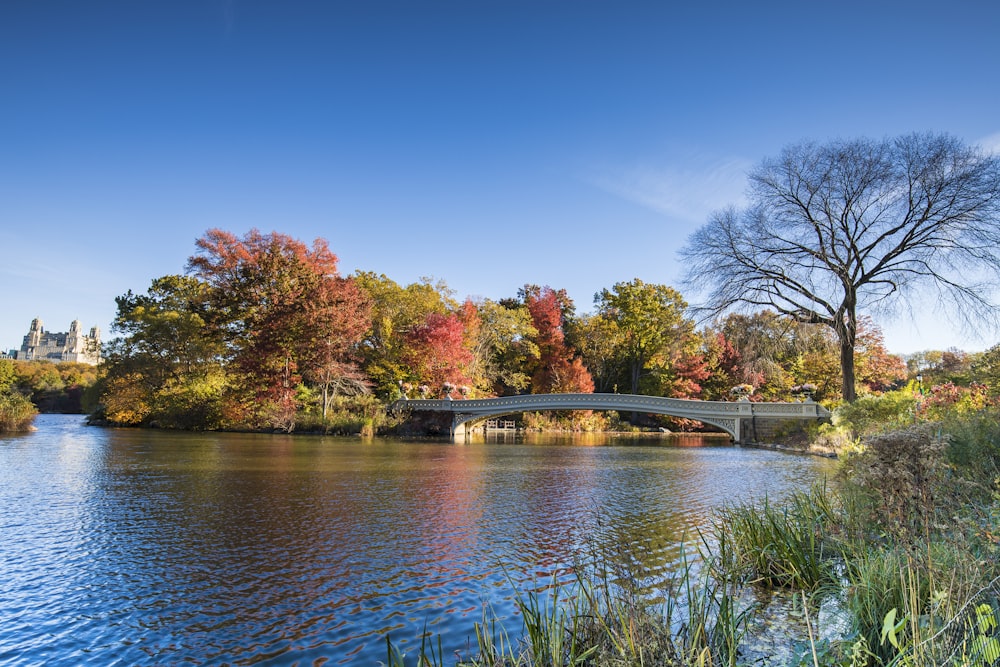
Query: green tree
point(597, 338)
point(986, 369)
point(8, 374)
point(851, 226)
point(16, 410)
point(502, 346)
point(166, 367)
point(649, 323)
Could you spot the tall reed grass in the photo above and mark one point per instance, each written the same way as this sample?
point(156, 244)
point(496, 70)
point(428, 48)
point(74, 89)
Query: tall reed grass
point(605, 618)
point(778, 546)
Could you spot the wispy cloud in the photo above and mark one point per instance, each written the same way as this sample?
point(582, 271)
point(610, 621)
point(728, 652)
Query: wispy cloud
point(991, 143)
point(690, 192)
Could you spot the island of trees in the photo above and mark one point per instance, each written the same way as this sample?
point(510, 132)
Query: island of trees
point(264, 333)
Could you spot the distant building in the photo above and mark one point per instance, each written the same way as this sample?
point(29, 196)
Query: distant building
point(41, 345)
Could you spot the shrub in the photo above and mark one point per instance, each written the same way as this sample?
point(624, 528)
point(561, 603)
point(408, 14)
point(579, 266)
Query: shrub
point(897, 478)
point(974, 444)
point(877, 414)
point(16, 412)
point(349, 415)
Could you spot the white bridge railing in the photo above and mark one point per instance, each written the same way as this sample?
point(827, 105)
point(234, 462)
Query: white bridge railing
point(730, 416)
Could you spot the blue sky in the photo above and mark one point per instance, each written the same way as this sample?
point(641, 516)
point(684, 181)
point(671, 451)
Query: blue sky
point(486, 143)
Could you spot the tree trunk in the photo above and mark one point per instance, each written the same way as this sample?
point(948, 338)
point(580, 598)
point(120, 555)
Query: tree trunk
point(846, 327)
point(847, 370)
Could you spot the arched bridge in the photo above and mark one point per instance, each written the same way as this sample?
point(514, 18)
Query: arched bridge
point(732, 417)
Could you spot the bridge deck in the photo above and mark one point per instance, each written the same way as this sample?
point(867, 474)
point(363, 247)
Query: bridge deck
point(727, 415)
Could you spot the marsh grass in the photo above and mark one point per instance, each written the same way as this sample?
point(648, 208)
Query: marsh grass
point(605, 618)
point(777, 546)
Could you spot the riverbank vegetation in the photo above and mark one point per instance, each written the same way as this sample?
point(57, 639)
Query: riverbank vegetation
point(60, 387)
point(16, 411)
point(895, 562)
point(263, 333)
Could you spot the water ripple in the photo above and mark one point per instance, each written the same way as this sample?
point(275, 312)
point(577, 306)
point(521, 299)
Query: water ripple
point(145, 548)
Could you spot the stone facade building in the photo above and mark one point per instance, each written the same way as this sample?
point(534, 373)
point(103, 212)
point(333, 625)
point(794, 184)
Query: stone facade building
point(41, 345)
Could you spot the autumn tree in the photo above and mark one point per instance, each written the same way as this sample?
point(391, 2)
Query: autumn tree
point(274, 299)
point(985, 369)
point(501, 339)
point(396, 311)
point(8, 374)
point(720, 362)
point(557, 369)
point(766, 344)
point(436, 351)
point(842, 228)
point(334, 372)
point(166, 366)
point(877, 369)
point(597, 337)
point(816, 360)
point(941, 366)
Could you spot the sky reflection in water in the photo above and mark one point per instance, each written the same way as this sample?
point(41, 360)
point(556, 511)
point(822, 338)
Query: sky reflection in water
point(147, 547)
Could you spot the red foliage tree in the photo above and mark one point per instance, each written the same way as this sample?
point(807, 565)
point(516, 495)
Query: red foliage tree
point(724, 364)
point(437, 353)
point(692, 370)
point(283, 309)
point(876, 368)
point(557, 370)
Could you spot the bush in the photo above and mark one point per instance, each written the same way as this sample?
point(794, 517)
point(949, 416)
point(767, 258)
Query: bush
point(349, 415)
point(897, 478)
point(16, 412)
point(565, 420)
point(974, 445)
point(877, 414)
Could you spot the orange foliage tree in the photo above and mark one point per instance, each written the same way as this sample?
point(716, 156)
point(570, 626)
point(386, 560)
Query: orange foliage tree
point(276, 299)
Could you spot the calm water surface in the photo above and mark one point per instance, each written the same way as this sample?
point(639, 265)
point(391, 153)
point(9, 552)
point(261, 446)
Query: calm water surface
point(157, 548)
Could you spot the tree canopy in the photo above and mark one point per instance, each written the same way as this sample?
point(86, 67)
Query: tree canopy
point(263, 333)
point(647, 321)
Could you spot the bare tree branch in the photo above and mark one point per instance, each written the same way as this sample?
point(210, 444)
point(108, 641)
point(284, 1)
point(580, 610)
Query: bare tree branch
point(853, 226)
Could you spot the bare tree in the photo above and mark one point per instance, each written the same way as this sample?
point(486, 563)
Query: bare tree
point(853, 226)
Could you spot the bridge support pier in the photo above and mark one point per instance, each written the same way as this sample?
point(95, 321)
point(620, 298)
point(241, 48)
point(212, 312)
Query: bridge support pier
point(459, 431)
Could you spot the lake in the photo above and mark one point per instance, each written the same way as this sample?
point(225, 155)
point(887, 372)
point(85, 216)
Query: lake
point(140, 547)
